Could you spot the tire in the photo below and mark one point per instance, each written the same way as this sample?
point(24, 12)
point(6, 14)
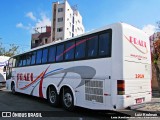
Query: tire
point(52, 96)
point(13, 88)
point(68, 100)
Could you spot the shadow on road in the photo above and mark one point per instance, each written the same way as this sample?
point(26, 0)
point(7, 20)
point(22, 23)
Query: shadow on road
point(50, 111)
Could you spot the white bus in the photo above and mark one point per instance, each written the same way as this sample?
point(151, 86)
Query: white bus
point(106, 69)
point(3, 63)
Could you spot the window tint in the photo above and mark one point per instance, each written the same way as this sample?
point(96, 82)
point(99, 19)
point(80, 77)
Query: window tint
point(92, 46)
point(45, 54)
point(69, 55)
point(28, 58)
point(39, 57)
point(52, 52)
point(14, 62)
point(80, 49)
point(104, 45)
point(19, 62)
point(33, 58)
point(59, 54)
point(24, 60)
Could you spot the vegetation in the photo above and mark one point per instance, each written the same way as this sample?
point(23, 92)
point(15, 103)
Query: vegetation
point(156, 58)
point(12, 50)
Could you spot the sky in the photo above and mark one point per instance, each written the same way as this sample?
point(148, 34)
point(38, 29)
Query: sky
point(18, 18)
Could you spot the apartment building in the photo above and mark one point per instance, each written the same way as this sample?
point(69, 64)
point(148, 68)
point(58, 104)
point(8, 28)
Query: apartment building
point(41, 38)
point(66, 21)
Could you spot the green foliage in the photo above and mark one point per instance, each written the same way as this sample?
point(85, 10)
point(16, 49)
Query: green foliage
point(12, 50)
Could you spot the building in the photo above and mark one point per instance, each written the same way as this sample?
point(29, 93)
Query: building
point(66, 21)
point(41, 38)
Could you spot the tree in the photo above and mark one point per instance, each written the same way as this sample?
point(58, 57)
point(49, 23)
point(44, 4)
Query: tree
point(156, 58)
point(12, 50)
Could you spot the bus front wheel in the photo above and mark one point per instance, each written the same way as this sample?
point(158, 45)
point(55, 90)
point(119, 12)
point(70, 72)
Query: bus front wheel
point(67, 99)
point(52, 96)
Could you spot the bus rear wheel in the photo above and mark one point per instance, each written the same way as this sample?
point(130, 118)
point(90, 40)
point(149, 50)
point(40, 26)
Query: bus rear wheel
point(52, 96)
point(13, 88)
point(68, 100)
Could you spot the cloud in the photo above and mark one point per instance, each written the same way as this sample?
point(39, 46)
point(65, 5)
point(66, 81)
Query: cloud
point(149, 29)
point(39, 24)
point(20, 25)
point(44, 21)
point(31, 16)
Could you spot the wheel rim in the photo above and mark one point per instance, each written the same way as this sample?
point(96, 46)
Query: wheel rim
point(67, 99)
point(52, 96)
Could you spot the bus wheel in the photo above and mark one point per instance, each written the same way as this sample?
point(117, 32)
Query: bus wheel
point(52, 96)
point(68, 100)
point(13, 88)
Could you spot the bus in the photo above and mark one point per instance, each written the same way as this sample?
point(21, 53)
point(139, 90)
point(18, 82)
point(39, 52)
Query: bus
point(3, 63)
point(104, 69)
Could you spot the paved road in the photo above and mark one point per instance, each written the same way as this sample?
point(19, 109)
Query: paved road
point(21, 103)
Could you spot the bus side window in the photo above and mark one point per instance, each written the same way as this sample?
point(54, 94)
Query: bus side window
point(19, 61)
point(59, 53)
point(80, 49)
point(44, 55)
point(39, 57)
point(69, 48)
point(51, 54)
point(24, 60)
point(92, 46)
point(33, 58)
point(28, 58)
point(104, 45)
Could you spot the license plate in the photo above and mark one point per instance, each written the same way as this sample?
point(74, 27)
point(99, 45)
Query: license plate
point(139, 100)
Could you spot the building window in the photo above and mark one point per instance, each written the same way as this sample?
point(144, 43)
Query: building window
point(60, 29)
point(36, 41)
point(46, 40)
point(60, 19)
point(60, 9)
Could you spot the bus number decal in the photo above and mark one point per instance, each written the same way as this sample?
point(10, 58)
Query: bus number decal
point(139, 75)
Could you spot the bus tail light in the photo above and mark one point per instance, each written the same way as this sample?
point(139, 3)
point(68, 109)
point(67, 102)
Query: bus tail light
point(120, 87)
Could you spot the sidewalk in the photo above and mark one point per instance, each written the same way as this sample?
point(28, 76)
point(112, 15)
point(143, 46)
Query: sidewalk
point(153, 106)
